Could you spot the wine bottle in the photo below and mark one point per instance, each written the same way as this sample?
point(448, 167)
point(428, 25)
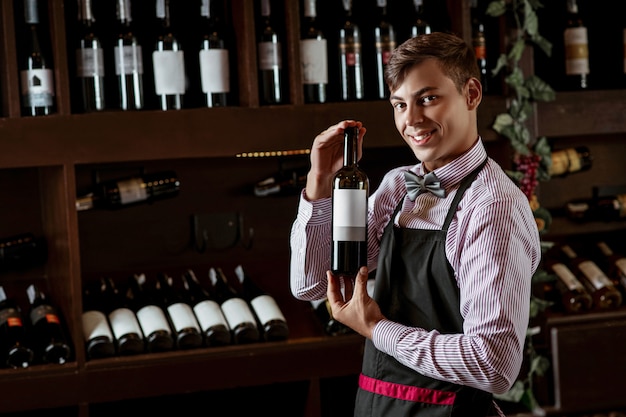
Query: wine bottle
point(604, 294)
point(313, 56)
point(151, 317)
point(576, 49)
point(214, 61)
point(22, 251)
point(421, 26)
point(168, 62)
point(572, 295)
point(479, 43)
point(208, 312)
point(599, 208)
point(129, 338)
point(350, 65)
point(90, 60)
point(187, 333)
point(36, 75)
point(270, 58)
point(282, 183)
point(239, 316)
point(50, 342)
point(124, 192)
point(99, 339)
point(270, 317)
point(349, 206)
point(128, 60)
point(570, 160)
point(385, 37)
point(323, 313)
point(15, 351)
point(615, 265)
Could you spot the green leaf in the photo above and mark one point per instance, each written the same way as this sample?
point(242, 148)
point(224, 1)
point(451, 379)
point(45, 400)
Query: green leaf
point(517, 50)
point(539, 365)
point(496, 8)
point(531, 23)
point(502, 121)
point(544, 44)
point(539, 89)
point(537, 305)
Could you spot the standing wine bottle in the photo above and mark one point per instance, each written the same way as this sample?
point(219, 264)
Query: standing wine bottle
point(570, 160)
point(129, 191)
point(126, 329)
point(421, 26)
point(385, 37)
point(15, 351)
point(349, 218)
point(168, 62)
point(604, 294)
point(186, 329)
point(270, 317)
point(576, 49)
point(90, 60)
point(152, 319)
point(36, 75)
point(571, 294)
point(128, 60)
point(350, 65)
point(479, 42)
point(313, 56)
point(208, 312)
point(214, 61)
point(239, 316)
point(50, 342)
point(615, 265)
point(269, 50)
point(99, 339)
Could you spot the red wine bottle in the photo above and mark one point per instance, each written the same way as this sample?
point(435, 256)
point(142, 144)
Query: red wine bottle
point(168, 62)
point(128, 60)
point(349, 206)
point(15, 351)
point(269, 50)
point(99, 339)
point(421, 26)
point(313, 56)
point(576, 49)
point(350, 59)
point(385, 37)
point(128, 335)
point(213, 56)
point(90, 60)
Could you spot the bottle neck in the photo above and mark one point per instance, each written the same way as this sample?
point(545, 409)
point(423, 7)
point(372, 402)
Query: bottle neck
point(350, 150)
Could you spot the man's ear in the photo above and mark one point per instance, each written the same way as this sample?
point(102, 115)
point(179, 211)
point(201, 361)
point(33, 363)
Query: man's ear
point(474, 93)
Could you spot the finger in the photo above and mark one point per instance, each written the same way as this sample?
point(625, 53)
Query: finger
point(333, 292)
point(360, 285)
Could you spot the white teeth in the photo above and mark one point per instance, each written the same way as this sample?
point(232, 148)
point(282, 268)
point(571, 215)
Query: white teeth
point(422, 136)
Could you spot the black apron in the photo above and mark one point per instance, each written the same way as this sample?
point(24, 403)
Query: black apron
point(423, 293)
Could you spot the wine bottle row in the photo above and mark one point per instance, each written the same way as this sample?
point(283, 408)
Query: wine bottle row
point(146, 315)
point(606, 204)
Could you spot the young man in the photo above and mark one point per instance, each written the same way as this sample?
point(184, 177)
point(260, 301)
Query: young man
point(446, 326)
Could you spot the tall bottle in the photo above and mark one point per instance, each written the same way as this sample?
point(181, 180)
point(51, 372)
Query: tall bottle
point(36, 75)
point(50, 342)
point(99, 339)
point(239, 316)
point(313, 56)
point(604, 294)
point(385, 37)
point(421, 26)
point(124, 324)
point(350, 60)
point(90, 60)
point(182, 319)
point(479, 42)
point(615, 265)
point(168, 62)
point(576, 49)
point(569, 292)
point(152, 319)
point(15, 351)
point(272, 320)
point(349, 205)
point(269, 50)
point(208, 312)
point(214, 61)
point(128, 60)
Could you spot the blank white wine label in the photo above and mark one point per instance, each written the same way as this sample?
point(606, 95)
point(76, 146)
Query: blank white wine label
point(152, 319)
point(209, 314)
point(237, 311)
point(95, 324)
point(567, 277)
point(267, 309)
point(123, 321)
point(169, 72)
point(314, 61)
point(349, 215)
point(214, 71)
point(182, 317)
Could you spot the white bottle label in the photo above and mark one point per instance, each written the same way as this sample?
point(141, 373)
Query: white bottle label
point(269, 56)
point(128, 60)
point(123, 321)
point(567, 277)
point(132, 191)
point(576, 51)
point(182, 317)
point(314, 61)
point(214, 71)
point(152, 319)
point(90, 62)
point(209, 314)
point(237, 311)
point(38, 87)
point(267, 309)
point(349, 215)
point(95, 324)
point(169, 72)
point(594, 274)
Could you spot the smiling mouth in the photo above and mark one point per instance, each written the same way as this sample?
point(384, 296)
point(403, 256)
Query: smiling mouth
point(422, 136)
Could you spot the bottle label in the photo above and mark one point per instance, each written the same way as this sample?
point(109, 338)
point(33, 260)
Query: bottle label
point(90, 62)
point(267, 309)
point(237, 311)
point(95, 324)
point(182, 317)
point(152, 319)
point(123, 322)
point(349, 215)
point(169, 72)
point(567, 277)
point(621, 267)
point(594, 275)
point(44, 311)
point(10, 316)
point(214, 71)
point(132, 191)
point(576, 51)
point(314, 61)
point(128, 60)
point(269, 56)
point(37, 87)
point(209, 314)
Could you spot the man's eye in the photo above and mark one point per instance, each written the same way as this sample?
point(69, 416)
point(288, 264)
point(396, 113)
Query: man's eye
point(399, 106)
point(427, 99)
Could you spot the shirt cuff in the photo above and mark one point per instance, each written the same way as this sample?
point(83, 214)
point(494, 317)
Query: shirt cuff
point(315, 212)
point(386, 334)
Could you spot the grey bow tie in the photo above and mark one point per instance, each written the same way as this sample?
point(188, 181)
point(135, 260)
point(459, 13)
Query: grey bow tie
point(416, 185)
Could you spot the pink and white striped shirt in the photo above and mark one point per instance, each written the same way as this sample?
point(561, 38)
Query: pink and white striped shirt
point(493, 246)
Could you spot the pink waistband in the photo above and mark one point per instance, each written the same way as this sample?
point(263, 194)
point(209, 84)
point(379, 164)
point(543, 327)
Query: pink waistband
point(406, 392)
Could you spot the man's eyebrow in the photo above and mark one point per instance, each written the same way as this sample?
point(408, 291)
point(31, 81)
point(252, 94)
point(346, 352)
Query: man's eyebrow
point(415, 94)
